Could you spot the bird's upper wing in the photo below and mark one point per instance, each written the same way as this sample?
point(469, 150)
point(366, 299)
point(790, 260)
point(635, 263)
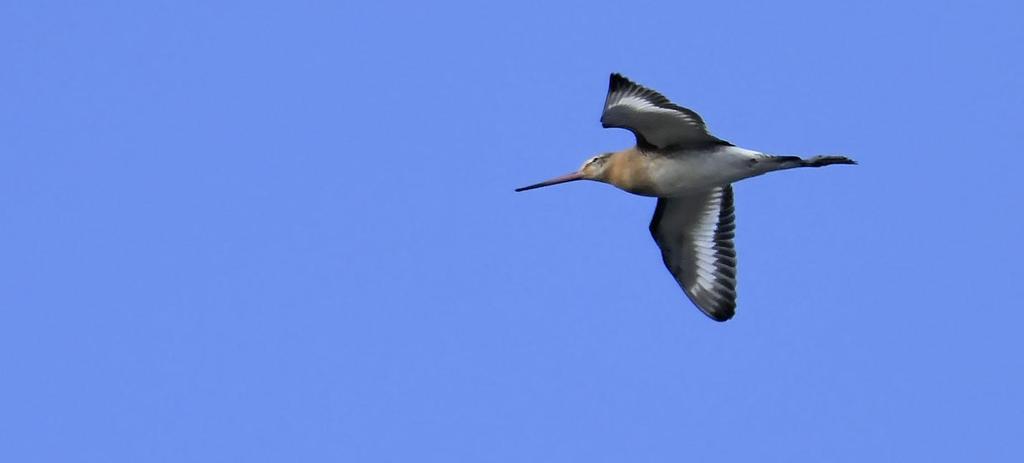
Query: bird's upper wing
point(695, 234)
point(654, 119)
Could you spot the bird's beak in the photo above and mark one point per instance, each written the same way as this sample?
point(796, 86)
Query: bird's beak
point(555, 181)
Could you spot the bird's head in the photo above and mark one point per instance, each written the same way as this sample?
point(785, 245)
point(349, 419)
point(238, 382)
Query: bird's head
point(594, 168)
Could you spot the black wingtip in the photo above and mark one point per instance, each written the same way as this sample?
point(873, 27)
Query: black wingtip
point(617, 81)
point(723, 314)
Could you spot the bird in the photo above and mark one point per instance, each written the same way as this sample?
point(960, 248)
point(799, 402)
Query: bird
point(677, 160)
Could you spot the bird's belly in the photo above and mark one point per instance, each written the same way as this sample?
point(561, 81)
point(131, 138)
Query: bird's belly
point(700, 171)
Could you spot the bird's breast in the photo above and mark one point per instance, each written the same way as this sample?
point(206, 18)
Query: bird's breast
point(631, 171)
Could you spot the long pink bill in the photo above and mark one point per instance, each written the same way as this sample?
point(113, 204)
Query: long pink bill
point(555, 181)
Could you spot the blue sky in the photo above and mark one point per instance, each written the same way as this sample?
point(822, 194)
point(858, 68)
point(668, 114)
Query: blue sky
point(253, 231)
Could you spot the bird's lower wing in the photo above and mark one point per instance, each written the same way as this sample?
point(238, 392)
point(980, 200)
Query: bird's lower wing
point(695, 234)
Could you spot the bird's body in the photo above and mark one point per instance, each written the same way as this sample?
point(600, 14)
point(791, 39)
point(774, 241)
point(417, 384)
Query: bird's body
point(666, 174)
point(690, 171)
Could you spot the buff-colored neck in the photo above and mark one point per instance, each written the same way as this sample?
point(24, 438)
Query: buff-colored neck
point(629, 170)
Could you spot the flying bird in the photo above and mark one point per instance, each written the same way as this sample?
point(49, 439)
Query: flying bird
point(677, 160)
